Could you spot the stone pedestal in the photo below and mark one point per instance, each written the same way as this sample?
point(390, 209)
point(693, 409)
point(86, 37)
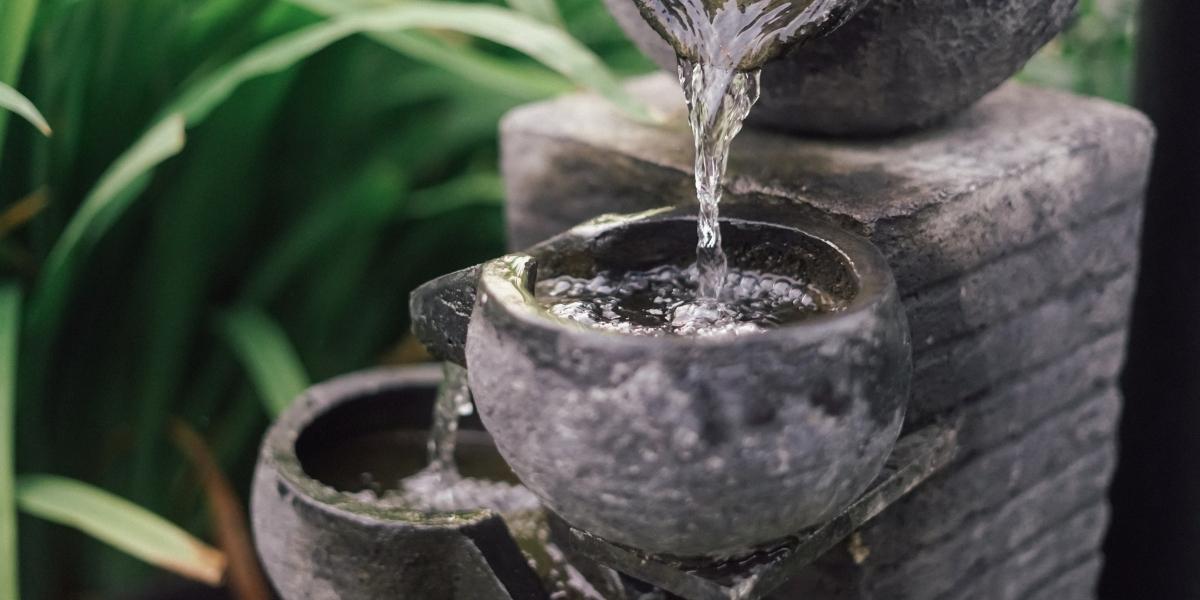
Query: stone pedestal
point(1012, 231)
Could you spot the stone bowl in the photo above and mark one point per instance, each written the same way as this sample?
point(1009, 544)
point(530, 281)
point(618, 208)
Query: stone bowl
point(679, 445)
point(321, 537)
point(896, 65)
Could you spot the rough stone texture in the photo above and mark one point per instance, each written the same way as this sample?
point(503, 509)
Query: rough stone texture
point(755, 574)
point(1012, 231)
point(765, 434)
point(319, 543)
point(896, 65)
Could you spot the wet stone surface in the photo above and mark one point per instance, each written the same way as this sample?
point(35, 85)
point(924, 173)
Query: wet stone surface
point(663, 301)
point(1012, 229)
point(896, 65)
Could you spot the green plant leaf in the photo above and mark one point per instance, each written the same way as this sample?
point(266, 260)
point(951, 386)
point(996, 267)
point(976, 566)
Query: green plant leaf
point(267, 355)
point(545, 11)
point(10, 307)
point(16, 22)
point(113, 194)
point(121, 524)
point(131, 171)
point(546, 43)
point(14, 101)
point(475, 189)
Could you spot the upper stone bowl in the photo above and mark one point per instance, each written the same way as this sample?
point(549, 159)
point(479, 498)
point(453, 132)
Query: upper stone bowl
point(897, 65)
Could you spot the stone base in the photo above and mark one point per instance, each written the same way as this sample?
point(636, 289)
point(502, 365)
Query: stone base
point(1012, 231)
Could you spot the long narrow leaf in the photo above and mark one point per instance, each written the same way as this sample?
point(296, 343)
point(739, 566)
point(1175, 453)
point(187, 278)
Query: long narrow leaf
point(16, 21)
point(12, 100)
point(116, 190)
point(267, 355)
point(131, 171)
point(10, 305)
point(121, 524)
point(545, 11)
point(478, 189)
point(546, 43)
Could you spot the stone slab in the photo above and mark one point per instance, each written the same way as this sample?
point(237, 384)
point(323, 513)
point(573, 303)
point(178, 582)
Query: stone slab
point(917, 456)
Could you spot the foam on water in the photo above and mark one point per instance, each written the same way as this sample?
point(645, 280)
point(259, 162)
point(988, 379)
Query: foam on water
point(439, 487)
point(660, 302)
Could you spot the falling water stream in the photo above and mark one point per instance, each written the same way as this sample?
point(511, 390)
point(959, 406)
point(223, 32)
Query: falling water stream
point(439, 486)
point(721, 46)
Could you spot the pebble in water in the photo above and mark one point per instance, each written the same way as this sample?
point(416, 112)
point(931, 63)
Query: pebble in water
point(660, 302)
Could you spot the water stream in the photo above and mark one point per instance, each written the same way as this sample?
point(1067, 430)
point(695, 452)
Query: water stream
point(721, 46)
point(439, 487)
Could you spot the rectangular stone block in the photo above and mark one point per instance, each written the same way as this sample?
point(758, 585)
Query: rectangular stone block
point(945, 375)
point(1012, 230)
point(1031, 161)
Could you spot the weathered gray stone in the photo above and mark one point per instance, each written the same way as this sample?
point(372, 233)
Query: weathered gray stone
point(1008, 529)
point(1013, 408)
point(317, 542)
point(1031, 566)
point(616, 432)
point(997, 290)
point(751, 575)
point(898, 64)
point(966, 491)
point(1012, 232)
point(1077, 583)
point(1033, 161)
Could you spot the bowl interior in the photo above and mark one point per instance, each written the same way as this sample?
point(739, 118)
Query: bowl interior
point(753, 246)
point(371, 442)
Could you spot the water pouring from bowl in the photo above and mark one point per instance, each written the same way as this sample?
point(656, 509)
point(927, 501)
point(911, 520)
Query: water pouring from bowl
point(721, 47)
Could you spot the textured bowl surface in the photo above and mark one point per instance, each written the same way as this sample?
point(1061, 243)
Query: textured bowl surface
point(318, 540)
point(691, 446)
point(897, 65)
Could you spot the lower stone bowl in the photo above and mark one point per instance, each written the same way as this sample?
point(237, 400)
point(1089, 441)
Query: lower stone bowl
point(679, 445)
point(323, 535)
point(896, 65)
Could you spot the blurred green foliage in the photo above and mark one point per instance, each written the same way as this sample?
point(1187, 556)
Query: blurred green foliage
point(290, 227)
point(313, 200)
point(1094, 55)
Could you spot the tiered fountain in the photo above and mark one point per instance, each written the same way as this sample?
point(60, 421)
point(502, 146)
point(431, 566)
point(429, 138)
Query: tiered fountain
point(741, 442)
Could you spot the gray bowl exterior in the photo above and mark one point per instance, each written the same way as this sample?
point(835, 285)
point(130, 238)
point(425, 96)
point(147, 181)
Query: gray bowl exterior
point(317, 543)
point(896, 65)
point(694, 447)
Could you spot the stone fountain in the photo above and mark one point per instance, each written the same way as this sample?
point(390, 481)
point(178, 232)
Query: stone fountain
point(986, 265)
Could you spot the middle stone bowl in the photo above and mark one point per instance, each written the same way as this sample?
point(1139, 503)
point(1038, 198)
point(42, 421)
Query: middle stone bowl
point(683, 445)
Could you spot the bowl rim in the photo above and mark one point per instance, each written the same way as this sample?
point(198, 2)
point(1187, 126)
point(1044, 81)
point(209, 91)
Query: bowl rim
point(505, 282)
point(279, 448)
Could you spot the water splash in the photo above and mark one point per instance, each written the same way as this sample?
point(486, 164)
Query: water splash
point(660, 302)
point(439, 487)
point(721, 46)
point(737, 34)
